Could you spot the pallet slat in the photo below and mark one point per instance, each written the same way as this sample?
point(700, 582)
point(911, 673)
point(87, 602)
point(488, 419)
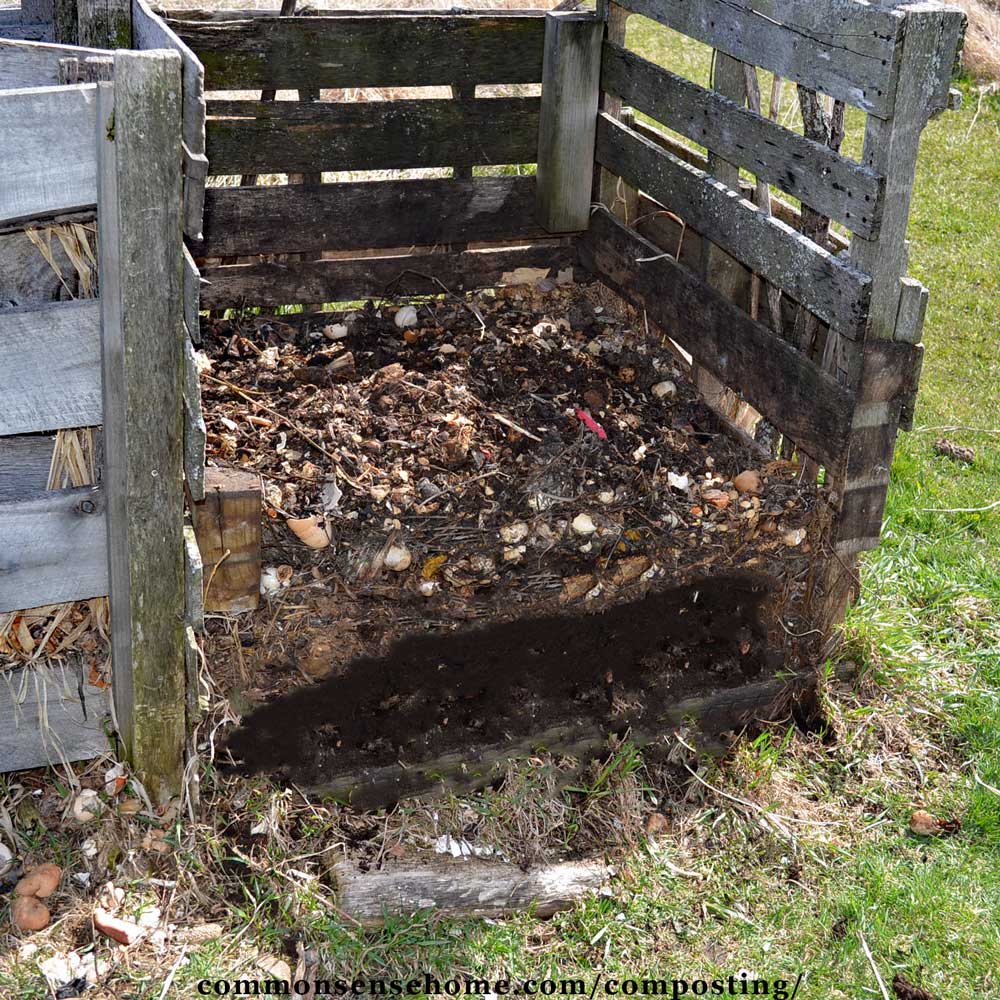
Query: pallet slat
point(53, 548)
point(276, 284)
point(844, 48)
point(803, 401)
point(808, 170)
point(368, 214)
point(36, 64)
point(51, 372)
point(24, 464)
point(47, 156)
point(829, 287)
point(284, 136)
point(400, 50)
point(49, 714)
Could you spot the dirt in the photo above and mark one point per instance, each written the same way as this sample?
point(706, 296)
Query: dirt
point(521, 463)
point(487, 684)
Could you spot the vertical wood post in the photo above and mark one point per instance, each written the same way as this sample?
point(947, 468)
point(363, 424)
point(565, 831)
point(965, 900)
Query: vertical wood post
point(571, 74)
point(931, 40)
point(139, 221)
point(105, 24)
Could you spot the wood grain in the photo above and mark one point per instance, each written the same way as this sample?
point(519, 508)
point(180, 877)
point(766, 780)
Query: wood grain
point(47, 155)
point(841, 47)
point(807, 170)
point(291, 282)
point(826, 285)
point(49, 713)
point(24, 464)
point(394, 50)
point(51, 372)
point(772, 376)
point(367, 215)
point(36, 64)
point(570, 94)
point(283, 136)
point(53, 548)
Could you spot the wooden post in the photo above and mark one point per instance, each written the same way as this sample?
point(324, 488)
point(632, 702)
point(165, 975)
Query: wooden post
point(139, 217)
point(227, 524)
point(570, 90)
point(105, 24)
point(931, 41)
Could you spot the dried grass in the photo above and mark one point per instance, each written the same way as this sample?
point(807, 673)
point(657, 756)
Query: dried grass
point(981, 56)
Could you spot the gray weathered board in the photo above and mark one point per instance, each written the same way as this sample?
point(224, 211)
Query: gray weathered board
point(47, 159)
point(807, 170)
point(49, 713)
point(844, 48)
point(400, 50)
point(24, 464)
point(282, 136)
point(36, 64)
point(53, 548)
point(831, 288)
point(801, 399)
point(368, 214)
point(26, 276)
point(51, 372)
point(282, 283)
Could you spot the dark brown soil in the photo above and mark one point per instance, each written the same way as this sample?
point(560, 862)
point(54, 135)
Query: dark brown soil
point(435, 692)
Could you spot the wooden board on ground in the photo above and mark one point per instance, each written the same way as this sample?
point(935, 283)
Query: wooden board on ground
point(396, 50)
point(47, 156)
point(803, 401)
point(51, 372)
point(53, 548)
point(282, 136)
point(50, 713)
point(368, 214)
point(275, 284)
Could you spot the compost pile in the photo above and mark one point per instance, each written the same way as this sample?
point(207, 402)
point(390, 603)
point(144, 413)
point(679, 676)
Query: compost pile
point(505, 456)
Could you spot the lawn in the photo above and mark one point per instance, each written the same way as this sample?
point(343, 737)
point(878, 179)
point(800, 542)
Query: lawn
point(798, 858)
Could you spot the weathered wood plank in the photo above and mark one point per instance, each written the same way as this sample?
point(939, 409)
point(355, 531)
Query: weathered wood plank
point(276, 284)
point(828, 286)
point(797, 396)
point(51, 372)
point(194, 426)
point(47, 155)
point(399, 50)
point(807, 170)
point(36, 64)
point(53, 548)
point(367, 215)
point(192, 297)
point(194, 581)
point(24, 464)
point(202, 14)
point(909, 330)
point(49, 713)
point(105, 23)
point(843, 48)
point(141, 287)
point(26, 277)
point(570, 95)
point(283, 136)
point(41, 32)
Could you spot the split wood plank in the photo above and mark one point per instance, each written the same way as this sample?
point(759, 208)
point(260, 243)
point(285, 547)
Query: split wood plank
point(257, 137)
point(227, 523)
point(47, 155)
point(36, 64)
point(24, 464)
point(797, 396)
point(831, 288)
point(463, 888)
point(50, 713)
point(194, 581)
point(192, 298)
point(64, 390)
point(141, 311)
point(368, 214)
point(53, 548)
point(570, 93)
point(396, 50)
point(807, 170)
point(195, 433)
point(843, 48)
point(275, 284)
